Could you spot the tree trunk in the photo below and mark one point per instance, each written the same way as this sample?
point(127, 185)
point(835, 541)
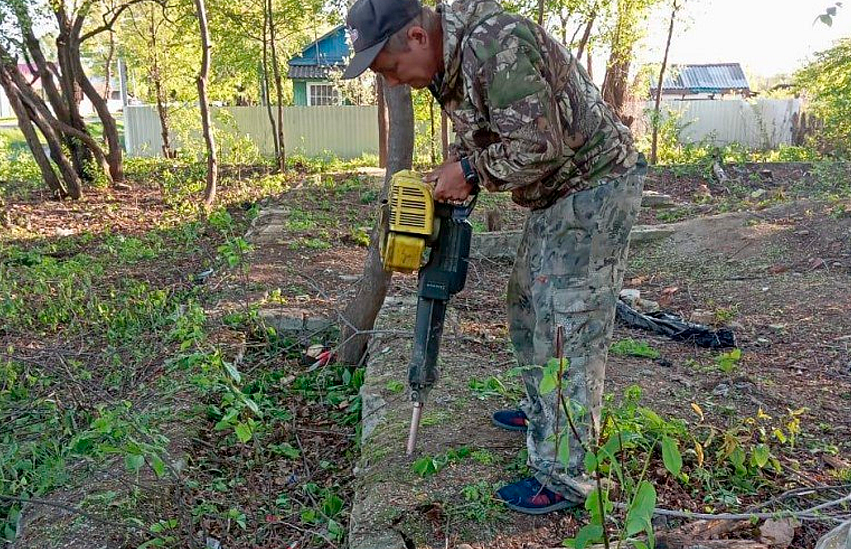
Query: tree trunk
point(156, 78)
point(33, 105)
point(444, 134)
point(382, 122)
point(431, 133)
point(282, 158)
point(43, 118)
point(589, 65)
point(361, 312)
point(586, 35)
point(31, 137)
point(541, 12)
point(115, 156)
point(45, 75)
point(203, 75)
point(616, 80)
point(266, 93)
point(72, 94)
point(655, 139)
point(107, 69)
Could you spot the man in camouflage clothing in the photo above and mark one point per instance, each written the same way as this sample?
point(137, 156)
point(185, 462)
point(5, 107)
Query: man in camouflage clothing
point(528, 120)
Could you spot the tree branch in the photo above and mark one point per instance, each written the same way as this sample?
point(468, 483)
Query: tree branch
point(108, 23)
point(69, 508)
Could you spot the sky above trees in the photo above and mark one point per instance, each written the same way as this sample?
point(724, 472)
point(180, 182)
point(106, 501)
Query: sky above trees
point(768, 37)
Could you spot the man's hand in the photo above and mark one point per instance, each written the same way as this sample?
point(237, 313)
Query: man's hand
point(450, 185)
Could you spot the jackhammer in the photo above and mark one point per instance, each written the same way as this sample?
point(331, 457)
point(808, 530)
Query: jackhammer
point(412, 221)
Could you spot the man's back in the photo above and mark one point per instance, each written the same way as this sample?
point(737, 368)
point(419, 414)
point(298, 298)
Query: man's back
point(511, 88)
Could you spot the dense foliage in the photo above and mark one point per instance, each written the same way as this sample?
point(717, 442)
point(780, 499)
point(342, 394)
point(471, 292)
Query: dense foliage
point(827, 83)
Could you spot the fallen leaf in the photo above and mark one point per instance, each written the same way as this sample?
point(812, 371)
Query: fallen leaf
point(778, 533)
point(697, 410)
point(836, 463)
point(667, 296)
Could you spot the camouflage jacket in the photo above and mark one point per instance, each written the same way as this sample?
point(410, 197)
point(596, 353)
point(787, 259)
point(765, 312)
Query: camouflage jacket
point(524, 111)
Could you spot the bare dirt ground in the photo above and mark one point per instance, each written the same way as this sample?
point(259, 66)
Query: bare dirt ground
point(776, 267)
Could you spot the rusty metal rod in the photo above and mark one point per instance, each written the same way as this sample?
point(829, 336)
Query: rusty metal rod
point(415, 425)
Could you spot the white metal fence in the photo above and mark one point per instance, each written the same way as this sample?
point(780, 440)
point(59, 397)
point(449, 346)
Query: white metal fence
point(349, 132)
point(346, 132)
point(762, 124)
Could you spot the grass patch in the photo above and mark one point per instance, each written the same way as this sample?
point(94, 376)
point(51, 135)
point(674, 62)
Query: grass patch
point(631, 347)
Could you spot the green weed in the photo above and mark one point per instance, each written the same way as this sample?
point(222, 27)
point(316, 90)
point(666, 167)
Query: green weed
point(728, 362)
point(631, 347)
point(427, 466)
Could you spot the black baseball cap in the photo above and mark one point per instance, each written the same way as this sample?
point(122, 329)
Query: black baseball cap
point(371, 24)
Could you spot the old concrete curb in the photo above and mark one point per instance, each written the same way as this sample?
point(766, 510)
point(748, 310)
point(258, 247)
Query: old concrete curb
point(389, 496)
point(503, 244)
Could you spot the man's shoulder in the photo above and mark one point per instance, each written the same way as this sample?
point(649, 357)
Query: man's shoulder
point(498, 33)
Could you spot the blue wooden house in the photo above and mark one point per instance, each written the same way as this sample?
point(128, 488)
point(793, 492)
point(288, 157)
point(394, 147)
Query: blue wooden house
point(310, 71)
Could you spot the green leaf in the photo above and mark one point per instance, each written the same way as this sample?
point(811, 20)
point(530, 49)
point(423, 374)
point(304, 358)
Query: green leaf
point(232, 371)
point(826, 19)
point(761, 454)
point(425, 466)
point(671, 456)
point(308, 515)
point(590, 462)
point(590, 533)
point(134, 462)
point(336, 529)
point(641, 510)
point(157, 465)
point(243, 432)
point(548, 383)
point(332, 506)
point(549, 379)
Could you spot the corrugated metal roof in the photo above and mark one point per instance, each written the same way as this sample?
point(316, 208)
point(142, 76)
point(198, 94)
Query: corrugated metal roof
point(312, 72)
point(715, 78)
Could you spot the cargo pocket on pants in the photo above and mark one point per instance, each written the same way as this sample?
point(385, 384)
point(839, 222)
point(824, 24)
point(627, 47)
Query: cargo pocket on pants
point(583, 313)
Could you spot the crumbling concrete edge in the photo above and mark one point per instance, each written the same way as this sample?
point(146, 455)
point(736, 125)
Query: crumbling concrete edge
point(504, 244)
point(364, 531)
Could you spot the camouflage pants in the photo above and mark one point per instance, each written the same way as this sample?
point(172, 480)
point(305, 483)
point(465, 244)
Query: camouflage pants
point(568, 272)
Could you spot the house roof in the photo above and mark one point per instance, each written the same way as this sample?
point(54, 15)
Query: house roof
point(324, 54)
point(713, 78)
point(312, 72)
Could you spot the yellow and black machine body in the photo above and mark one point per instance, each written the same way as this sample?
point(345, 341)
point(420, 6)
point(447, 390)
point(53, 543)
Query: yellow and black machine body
point(413, 221)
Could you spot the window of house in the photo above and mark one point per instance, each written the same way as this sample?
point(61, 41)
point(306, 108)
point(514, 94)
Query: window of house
point(322, 93)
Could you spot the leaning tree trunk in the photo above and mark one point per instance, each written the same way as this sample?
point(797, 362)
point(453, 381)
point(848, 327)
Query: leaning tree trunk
point(361, 312)
point(72, 95)
point(586, 36)
point(26, 127)
point(654, 144)
point(38, 114)
point(43, 118)
point(110, 128)
point(203, 75)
